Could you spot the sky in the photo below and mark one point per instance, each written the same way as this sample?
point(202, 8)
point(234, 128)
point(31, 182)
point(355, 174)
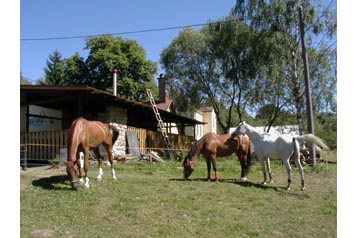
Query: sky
point(69, 18)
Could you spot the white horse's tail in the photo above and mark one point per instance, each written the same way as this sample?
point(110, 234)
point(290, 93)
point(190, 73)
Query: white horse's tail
point(312, 139)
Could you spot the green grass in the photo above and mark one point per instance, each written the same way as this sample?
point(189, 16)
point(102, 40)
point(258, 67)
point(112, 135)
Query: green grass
point(154, 201)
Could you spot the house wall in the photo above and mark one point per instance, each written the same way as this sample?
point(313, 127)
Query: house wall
point(199, 129)
point(210, 118)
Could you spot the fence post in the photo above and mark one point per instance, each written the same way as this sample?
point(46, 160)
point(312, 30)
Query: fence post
point(23, 150)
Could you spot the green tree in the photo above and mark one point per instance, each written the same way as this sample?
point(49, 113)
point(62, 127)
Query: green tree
point(106, 53)
point(76, 71)
point(54, 70)
point(190, 63)
point(23, 80)
point(282, 72)
point(136, 73)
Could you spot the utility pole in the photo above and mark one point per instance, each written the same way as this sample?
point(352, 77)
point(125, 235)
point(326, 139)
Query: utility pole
point(307, 87)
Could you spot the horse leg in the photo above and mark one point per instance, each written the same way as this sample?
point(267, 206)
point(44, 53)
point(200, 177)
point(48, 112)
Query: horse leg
point(110, 158)
point(100, 164)
point(86, 152)
point(78, 161)
point(244, 166)
point(288, 169)
point(269, 169)
point(217, 178)
point(296, 158)
point(208, 166)
point(262, 163)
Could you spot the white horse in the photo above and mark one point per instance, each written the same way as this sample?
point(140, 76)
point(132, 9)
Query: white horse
point(281, 147)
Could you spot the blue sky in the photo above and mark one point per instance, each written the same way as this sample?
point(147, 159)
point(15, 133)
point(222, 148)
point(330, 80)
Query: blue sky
point(67, 18)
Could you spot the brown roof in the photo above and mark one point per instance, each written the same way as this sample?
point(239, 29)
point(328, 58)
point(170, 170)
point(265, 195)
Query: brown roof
point(90, 99)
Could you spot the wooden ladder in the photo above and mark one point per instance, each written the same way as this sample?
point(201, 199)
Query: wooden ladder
point(159, 119)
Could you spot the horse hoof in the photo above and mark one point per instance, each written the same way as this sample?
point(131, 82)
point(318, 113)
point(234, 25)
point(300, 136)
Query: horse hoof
point(243, 179)
point(264, 183)
point(288, 188)
point(303, 188)
point(98, 178)
point(114, 178)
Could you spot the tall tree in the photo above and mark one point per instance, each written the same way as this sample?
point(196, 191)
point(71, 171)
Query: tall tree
point(136, 73)
point(279, 20)
point(216, 65)
point(54, 70)
point(106, 53)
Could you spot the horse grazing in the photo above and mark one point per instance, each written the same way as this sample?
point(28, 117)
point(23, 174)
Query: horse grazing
point(212, 146)
point(85, 135)
point(281, 147)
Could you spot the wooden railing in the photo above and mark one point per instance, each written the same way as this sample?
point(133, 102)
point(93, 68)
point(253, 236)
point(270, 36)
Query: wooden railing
point(46, 145)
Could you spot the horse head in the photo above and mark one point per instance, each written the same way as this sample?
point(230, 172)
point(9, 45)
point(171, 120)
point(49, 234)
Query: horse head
point(72, 171)
point(188, 167)
point(240, 129)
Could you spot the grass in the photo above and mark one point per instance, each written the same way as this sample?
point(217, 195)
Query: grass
point(153, 201)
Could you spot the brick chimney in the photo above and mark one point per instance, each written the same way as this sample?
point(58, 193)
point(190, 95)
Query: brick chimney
point(163, 89)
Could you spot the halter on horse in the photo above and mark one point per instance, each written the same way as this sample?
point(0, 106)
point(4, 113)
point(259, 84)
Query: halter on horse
point(212, 146)
point(281, 147)
point(85, 135)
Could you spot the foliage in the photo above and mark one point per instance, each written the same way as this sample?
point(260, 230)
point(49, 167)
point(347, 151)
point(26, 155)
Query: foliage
point(56, 162)
point(252, 59)
point(54, 70)
point(282, 74)
point(106, 53)
point(23, 80)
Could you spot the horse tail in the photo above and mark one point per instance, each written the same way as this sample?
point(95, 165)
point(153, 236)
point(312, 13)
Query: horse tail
point(312, 139)
point(115, 132)
point(249, 162)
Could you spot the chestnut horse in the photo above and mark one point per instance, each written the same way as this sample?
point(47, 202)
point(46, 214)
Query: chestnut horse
point(85, 135)
point(212, 146)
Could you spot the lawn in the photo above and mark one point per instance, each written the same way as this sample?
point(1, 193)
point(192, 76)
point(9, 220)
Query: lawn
point(154, 201)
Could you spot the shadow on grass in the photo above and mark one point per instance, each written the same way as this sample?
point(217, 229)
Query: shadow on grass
point(279, 189)
point(57, 182)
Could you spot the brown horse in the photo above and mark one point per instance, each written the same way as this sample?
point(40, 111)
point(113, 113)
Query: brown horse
point(212, 146)
point(85, 135)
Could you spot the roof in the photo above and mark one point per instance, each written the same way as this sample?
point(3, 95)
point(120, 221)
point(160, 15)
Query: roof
point(95, 100)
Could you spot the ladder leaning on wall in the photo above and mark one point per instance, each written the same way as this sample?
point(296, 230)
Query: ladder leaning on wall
point(159, 119)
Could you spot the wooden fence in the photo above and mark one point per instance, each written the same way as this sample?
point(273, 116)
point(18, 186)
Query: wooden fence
point(44, 146)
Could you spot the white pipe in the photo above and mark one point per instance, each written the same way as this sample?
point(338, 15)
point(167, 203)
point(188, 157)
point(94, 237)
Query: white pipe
point(115, 82)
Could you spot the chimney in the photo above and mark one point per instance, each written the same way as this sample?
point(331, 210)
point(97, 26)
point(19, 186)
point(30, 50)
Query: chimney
point(163, 89)
point(115, 71)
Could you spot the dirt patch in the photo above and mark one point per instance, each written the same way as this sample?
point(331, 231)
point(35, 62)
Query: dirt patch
point(43, 233)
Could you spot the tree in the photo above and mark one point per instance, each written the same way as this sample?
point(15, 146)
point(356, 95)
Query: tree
point(135, 72)
point(195, 80)
point(54, 70)
point(279, 21)
point(106, 53)
point(23, 80)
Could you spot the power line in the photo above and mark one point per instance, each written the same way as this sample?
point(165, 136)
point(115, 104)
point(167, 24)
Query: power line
point(120, 33)
point(129, 32)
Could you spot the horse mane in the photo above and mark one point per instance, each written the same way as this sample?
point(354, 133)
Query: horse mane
point(192, 151)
